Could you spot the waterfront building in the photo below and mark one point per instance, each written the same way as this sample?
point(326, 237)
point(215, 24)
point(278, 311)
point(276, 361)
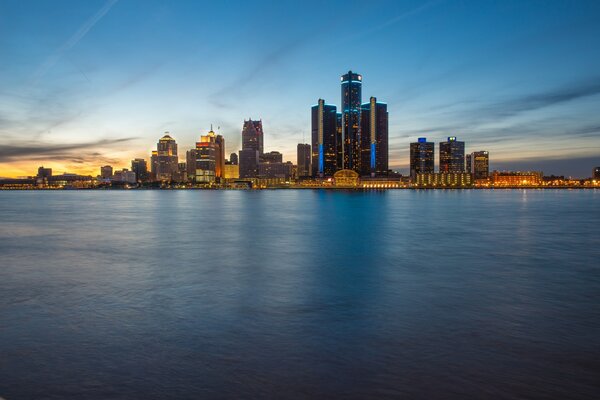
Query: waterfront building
point(303, 160)
point(346, 178)
point(232, 171)
point(140, 168)
point(443, 180)
point(374, 138)
point(518, 178)
point(44, 172)
point(275, 170)
point(351, 125)
point(153, 164)
point(166, 158)
point(233, 159)
point(248, 163)
point(324, 139)
point(421, 157)
point(106, 172)
point(252, 136)
point(596, 173)
point(124, 176)
point(208, 158)
point(452, 155)
point(478, 164)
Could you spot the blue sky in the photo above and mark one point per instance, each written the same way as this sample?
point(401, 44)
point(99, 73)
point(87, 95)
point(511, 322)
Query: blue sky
point(86, 83)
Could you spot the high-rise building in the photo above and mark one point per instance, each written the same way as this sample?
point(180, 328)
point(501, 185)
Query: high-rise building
point(339, 141)
point(596, 173)
point(248, 167)
point(106, 172)
point(374, 138)
point(233, 159)
point(167, 159)
point(252, 136)
point(140, 168)
point(452, 155)
point(303, 160)
point(421, 157)
point(153, 164)
point(351, 126)
point(324, 143)
point(208, 158)
point(478, 164)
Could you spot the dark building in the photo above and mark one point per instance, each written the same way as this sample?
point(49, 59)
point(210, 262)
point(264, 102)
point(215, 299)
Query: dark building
point(303, 160)
point(421, 157)
point(249, 163)
point(339, 141)
point(271, 157)
point(478, 164)
point(140, 168)
point(44, 172)
point(106, 172)
point(233, 159)
point(324, 143)
point(452, 156)
point(351, 126)
point(252, 136)
point(374, 138)
point(596, 173)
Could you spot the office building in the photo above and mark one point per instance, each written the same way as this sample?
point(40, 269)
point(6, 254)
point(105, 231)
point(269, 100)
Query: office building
point(518, 178)
point(271, 157)
point(596, 173)
point(351, 125)
point(106, 172)
point(208, 159)
point(452, 156)
point(44, 172)
point(339, 141)
point(443, 180)
point(153, 164)
point(248, 163)
point(478, 164)
point(421, 157)
point(233, 159)
point(324, 143)
point(374, 138)
point(252, 136)
point(275, 170)
point(303, 160)
point(166, 158)
point(140, 168)
point(124, 176)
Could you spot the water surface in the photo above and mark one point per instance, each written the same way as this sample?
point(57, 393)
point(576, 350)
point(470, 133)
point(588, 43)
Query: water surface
point(300, 294)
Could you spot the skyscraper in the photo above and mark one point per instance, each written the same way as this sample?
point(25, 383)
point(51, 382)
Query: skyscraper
point(209, 160)
point(303, 160)
point(478, 164)
point(351, 126)
point(421, 157)
point(252, 136)
point(248, 163)
point(140, 168)
point(596, 173)
point(324, 144)
point(167, 160)
point(339, 138)
point(374, 138)
point(452, 155)
point(233, 159)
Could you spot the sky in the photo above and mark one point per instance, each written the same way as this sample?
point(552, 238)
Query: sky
point(96, 82)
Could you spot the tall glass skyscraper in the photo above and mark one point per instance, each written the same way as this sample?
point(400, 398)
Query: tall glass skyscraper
point(452, 155)
point(421, 157)
point(351, 127)
point(324, 135)
point(374, 138)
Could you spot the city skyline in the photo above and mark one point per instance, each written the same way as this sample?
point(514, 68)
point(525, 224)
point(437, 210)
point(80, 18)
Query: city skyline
point(75, 96)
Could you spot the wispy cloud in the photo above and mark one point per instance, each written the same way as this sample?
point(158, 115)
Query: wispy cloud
point(72, 41)
point(38, 151)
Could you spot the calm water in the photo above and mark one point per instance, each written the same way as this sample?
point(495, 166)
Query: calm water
point(300, 294)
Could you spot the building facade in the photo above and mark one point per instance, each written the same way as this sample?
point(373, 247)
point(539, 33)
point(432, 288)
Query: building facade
point(443, 180)
point(166, 158)
point(249, 160)
point(351, 124)
point(303, 158)
point(422, 156)
point(140, 169)
point(478, 164)
point(253, 136)
point(324, 139)
point(374, 138)
point(452, 156)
